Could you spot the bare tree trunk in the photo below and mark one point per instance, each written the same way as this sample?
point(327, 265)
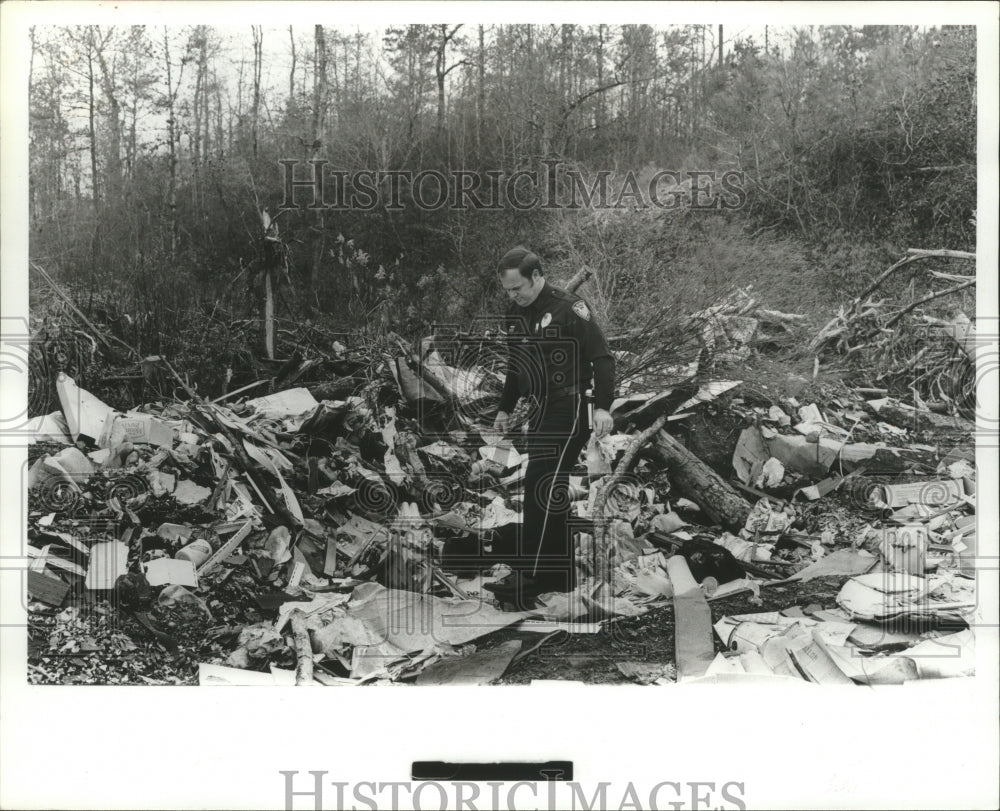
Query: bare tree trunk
point(481, 88)
point(439, 70)
point(113, 168)
point(199, 89)
point(133, 112)
point(32, 180)
point(318, 124)
point(258, 48)
point(220, 141)
point(599, 114)
point(172, 141)
point(319, 85)
point(269, 312)
point(291, 71)
point(95, 191)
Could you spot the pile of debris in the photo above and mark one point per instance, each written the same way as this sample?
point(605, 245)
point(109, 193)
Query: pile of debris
point(907, 607)
point(298, 537)
point(903, 345)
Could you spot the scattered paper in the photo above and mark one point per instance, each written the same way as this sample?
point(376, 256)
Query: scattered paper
point(108, 561)
point(171, 571)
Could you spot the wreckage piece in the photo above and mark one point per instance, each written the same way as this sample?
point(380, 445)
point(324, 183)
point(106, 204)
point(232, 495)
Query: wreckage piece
point(410, 621)
point(627, 415)
point(694, 647)
point(85, 413)
point(405, 448)
point(841, 562)
point(697, 481)
point(602, 549)
point(481, 667)
point(303, 649)
point(46, 588)
point(245, 464)
point(815, 459)
point(940, 494)
point(226, 549)
point(108, 561)
point(412, 386)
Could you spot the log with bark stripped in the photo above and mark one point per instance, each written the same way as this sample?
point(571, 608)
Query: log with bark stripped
point(697, 481)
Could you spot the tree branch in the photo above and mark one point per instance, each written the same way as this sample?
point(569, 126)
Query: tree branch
point(602, 555)
point(926, 299)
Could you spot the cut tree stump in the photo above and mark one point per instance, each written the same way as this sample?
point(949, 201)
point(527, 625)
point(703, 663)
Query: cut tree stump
point(578, 278)
point(697, 481)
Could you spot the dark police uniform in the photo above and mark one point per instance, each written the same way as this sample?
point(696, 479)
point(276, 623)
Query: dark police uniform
point(556, 351)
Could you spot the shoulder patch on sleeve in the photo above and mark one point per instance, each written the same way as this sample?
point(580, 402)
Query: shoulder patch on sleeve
point(580, 308)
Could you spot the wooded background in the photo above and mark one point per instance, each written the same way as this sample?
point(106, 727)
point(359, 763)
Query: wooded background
point(154, 152)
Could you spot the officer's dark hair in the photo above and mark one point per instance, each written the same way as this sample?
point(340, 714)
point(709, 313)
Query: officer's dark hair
point(523, 260)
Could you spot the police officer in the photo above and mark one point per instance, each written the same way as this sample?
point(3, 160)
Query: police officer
point(556, 351)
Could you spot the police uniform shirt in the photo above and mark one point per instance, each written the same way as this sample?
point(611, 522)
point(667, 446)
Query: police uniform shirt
point(553, 343)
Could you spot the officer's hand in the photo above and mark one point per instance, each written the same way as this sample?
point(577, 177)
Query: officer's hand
point(602, 422)
point(502, 422)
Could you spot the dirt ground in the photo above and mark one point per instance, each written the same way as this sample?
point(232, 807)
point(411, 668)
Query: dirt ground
point(591, 658)
point(116, 648)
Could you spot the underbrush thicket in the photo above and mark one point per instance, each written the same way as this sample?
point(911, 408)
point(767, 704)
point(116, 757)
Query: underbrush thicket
point(855, 145)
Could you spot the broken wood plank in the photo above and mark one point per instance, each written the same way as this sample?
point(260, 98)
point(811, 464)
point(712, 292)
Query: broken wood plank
point(694, 647)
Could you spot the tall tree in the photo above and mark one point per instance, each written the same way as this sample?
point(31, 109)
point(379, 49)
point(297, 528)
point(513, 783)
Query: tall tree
point(258, 66)
point(445, 36)
point(170, 102)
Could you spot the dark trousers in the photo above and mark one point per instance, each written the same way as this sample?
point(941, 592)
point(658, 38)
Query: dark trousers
point(553, 444)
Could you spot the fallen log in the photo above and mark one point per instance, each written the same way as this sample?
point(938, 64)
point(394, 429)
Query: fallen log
point(697, 481)
point(915, 419)
point(777, 317)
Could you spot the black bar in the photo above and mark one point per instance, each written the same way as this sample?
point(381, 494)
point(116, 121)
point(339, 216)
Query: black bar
point(533, 772)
